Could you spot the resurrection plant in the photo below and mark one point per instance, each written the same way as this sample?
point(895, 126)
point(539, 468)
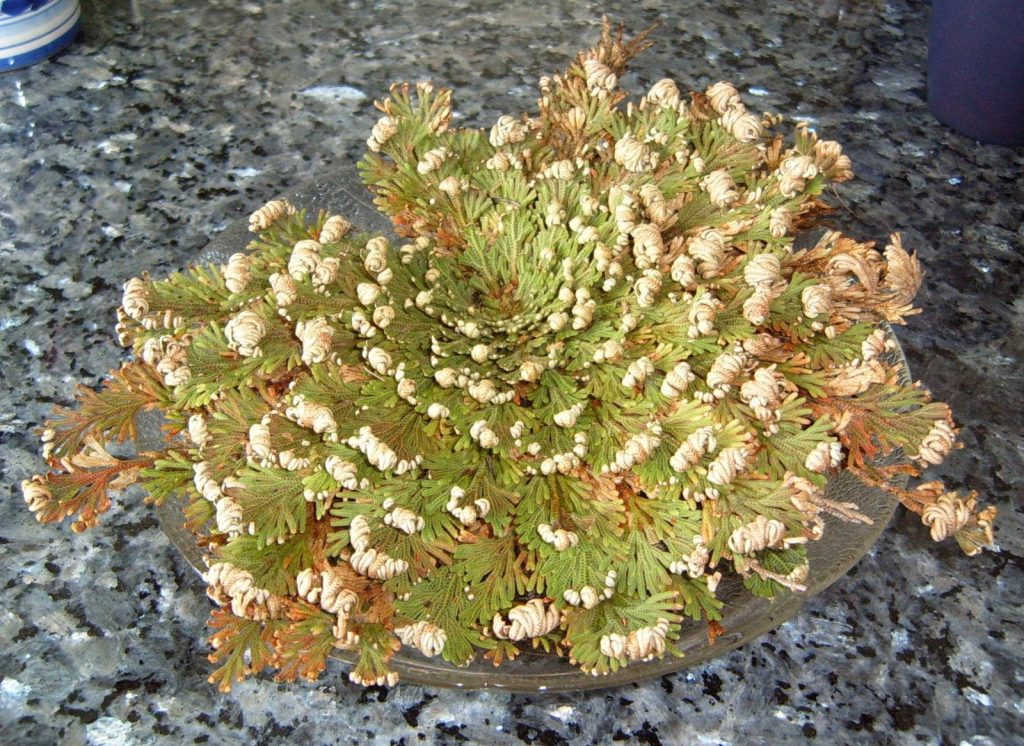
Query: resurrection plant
point(593, 375)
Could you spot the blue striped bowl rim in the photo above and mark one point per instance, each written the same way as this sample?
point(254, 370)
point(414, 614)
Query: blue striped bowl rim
point(33, 36)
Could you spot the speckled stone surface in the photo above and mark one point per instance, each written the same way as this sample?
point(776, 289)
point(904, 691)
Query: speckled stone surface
point(170, 119)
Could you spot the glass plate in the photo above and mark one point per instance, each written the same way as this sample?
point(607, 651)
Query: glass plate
point(745, 616)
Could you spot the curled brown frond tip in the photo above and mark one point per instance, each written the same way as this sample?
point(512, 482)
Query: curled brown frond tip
point(613, 51)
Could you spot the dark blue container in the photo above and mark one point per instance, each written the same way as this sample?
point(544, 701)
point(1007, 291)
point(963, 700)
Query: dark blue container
point(976, 68)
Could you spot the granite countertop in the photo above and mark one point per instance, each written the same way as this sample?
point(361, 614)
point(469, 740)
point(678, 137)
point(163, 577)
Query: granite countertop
point(169, 119)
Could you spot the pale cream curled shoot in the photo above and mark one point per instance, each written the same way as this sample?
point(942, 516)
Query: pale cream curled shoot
point(527, 621)
point(269, 214)
point(428, 638)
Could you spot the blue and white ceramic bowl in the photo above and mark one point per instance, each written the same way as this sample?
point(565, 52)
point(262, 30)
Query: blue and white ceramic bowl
point(32, 30)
